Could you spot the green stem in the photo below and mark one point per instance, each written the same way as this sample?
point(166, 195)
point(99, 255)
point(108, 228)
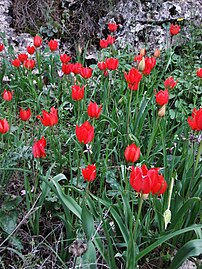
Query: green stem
point(129, 113)
point(198, 156)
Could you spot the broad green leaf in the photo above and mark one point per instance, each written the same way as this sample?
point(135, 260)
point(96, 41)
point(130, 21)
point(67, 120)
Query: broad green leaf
point(191, 248)
point(67, 201)
point(166, 238)
point(89, 258)
point(87, 221)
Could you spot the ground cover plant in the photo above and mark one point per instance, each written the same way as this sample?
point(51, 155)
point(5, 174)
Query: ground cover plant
point(101, 165)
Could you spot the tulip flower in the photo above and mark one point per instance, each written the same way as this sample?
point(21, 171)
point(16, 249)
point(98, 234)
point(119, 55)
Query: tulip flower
point(30, 49)
point(89, 173)
point(174, 29)
point(53, 44)
point(162, 97)
point(37, 41)
point(94, 110)
point(112, 27)
point(147, 181)
point(85, 133)
point(112, 63)
point(38, 148)
point(169, 83)
point(1, 46)
point(16, 62)
point(102, 65)
point(143, 52)
point(103, 43)
point(195, 121)
point(133, 78)
point(76, 68)
point(150, 63)
point(25, 114)
point(7, 95)
point(4, 126)
point(49, 119)
point(29, 64)
point(77, 92)
point(132, 153)
point(64, 58)
point(199, 72)
point(22, 57)
point(157, 53)
point(66, 69)
point(138, 58)
point(111, 39)
point(86, 72)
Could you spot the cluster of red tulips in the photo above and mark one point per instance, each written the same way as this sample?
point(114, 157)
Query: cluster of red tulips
point(142, 179)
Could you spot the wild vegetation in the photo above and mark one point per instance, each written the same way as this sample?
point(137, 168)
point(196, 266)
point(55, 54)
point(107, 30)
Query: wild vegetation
point(100, 165)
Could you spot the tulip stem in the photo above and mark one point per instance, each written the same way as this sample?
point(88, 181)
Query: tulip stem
point(131, 260)
point(129, 110)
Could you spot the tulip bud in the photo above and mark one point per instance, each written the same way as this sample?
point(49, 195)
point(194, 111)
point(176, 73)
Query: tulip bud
point(157, 53)
point(143, 52)
point(141, 65)
point(162, 111)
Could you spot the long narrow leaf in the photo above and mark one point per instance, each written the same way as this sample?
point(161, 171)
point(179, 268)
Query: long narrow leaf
point(191, 248)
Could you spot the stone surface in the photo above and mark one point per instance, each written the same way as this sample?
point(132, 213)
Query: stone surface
point(147, 22)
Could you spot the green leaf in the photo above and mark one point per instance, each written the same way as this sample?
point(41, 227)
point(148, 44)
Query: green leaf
point(87, 221)
point(191, 248)
point(89, 258)
point(8, 221)
point(164, 239)
point(67, 201)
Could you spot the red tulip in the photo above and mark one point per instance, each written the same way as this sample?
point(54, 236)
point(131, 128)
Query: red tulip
point(138, 58)
point(76, 68)
point(4, 126)
point(64, 58)
point(195, 121)
point(29, 64)
point(66, 68)
point(147, 181)
point(112, 63)
point(86, 72)
point(38, 148)
point(1, 46)
point(22, 57)
point(37, 41)
point(150, 63)
point(112, 27)
point(170, 83)
point(162, 97)
point(53, 45)
point(103, 43)
point(16, 62)
point(85, 133)
point(132, 153)
point(77, 92)
point(199, 72)
point(89, 173)
point(94, 110)
point(133, 78)
point(49, 119)
point(102, 65)
point(25, 114)
point(111, 39)
point(7, 95)
point(174, 29)
point(30, 49)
